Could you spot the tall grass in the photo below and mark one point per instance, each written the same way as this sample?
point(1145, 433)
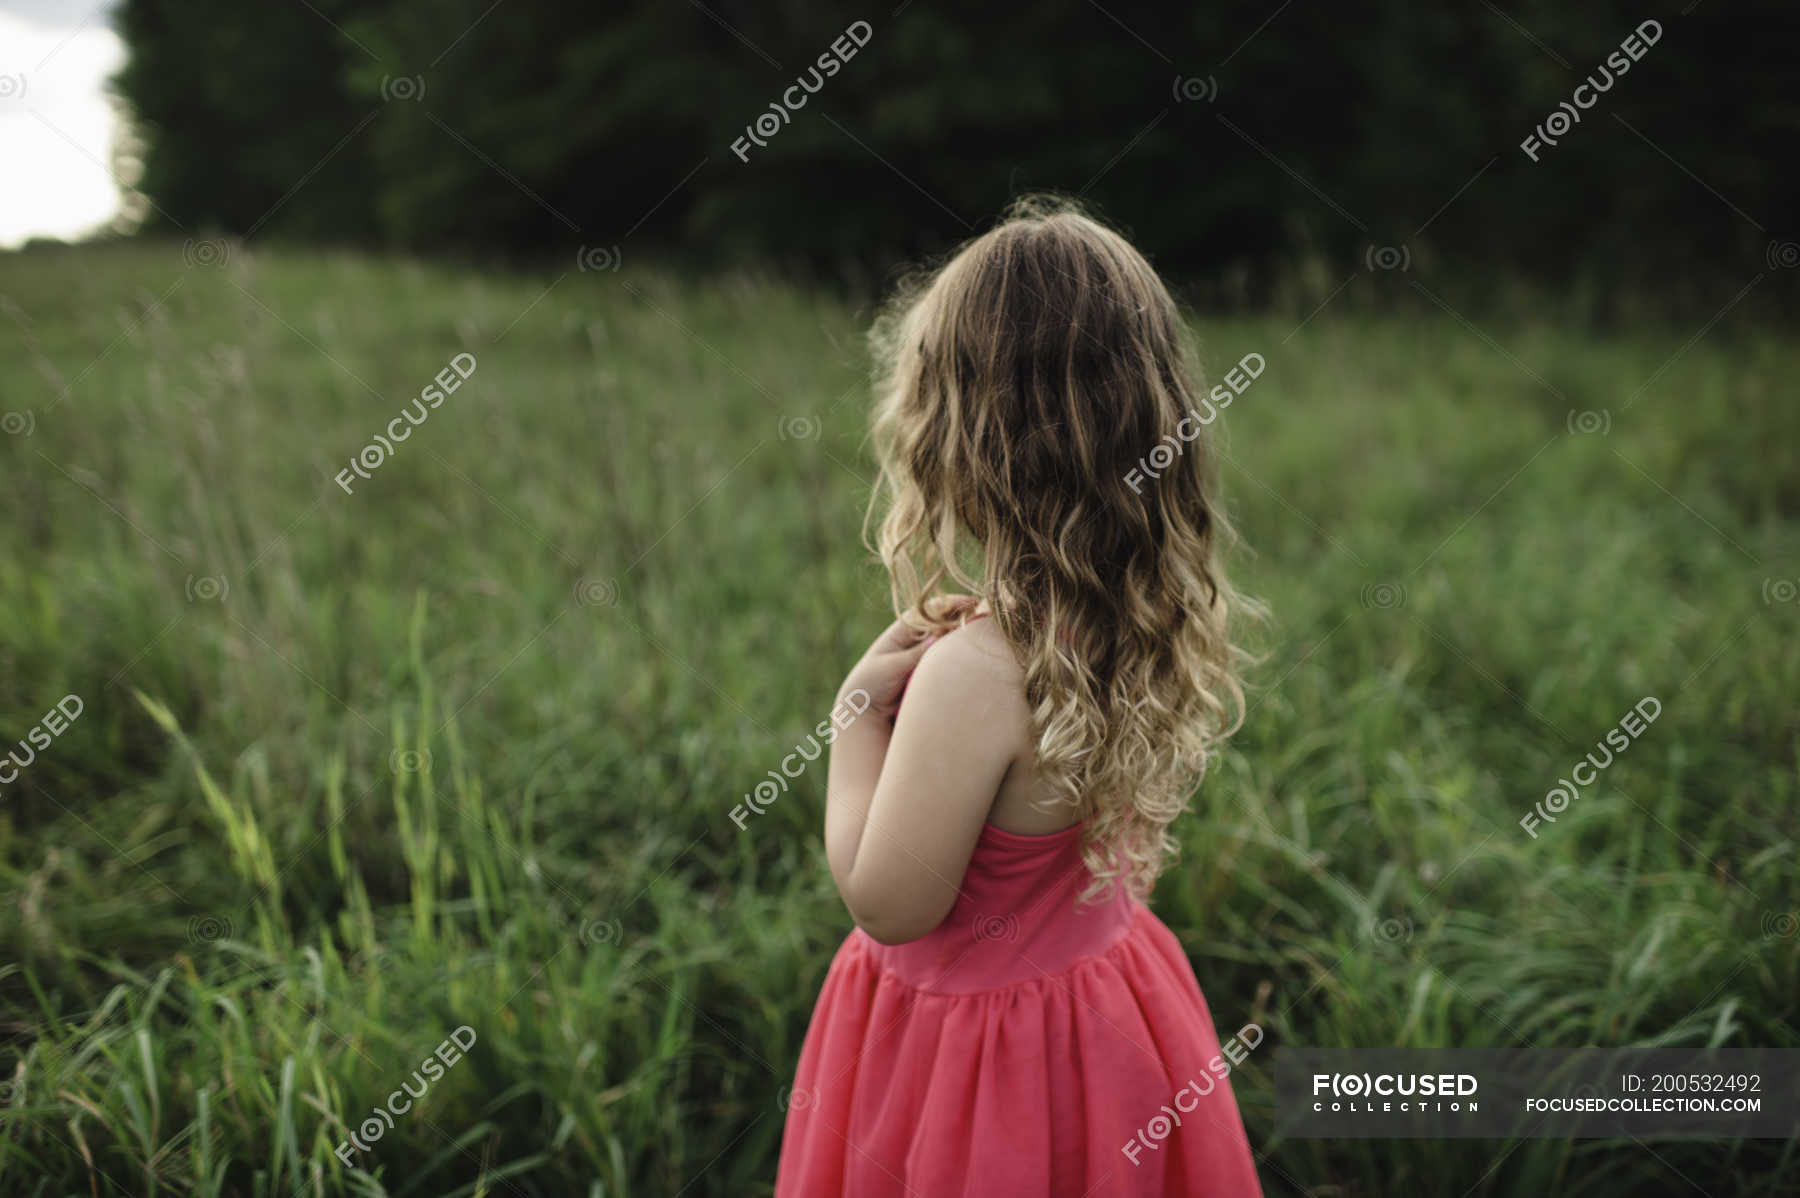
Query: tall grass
point(459, 748)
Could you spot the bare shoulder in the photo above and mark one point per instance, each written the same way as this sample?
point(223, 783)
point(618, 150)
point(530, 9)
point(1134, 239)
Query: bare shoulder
point(971, 688)
point(972, 673)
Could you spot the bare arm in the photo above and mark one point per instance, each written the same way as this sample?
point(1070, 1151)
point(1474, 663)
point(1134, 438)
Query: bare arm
point(860, 748)
point(905, 804)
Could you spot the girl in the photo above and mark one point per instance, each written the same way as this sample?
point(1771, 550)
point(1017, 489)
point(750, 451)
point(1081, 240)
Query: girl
point(1008, 1018)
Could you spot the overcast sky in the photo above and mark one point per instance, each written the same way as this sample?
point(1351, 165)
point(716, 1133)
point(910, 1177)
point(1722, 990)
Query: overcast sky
point(56, 125)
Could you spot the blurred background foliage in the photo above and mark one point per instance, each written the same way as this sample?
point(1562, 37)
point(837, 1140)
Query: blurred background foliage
point(599, 113)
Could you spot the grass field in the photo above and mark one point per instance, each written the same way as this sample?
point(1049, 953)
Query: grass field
point(459, 748)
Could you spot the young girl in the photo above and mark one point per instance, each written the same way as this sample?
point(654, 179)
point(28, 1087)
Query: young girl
point(1008, 1018)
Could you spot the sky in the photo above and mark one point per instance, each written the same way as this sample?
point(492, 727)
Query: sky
point(57, 125)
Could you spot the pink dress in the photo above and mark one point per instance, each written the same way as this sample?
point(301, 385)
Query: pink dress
point(1025, 1047)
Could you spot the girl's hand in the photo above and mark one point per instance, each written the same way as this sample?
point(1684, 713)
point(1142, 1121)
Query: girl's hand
point(890, 660)
point(885, 667)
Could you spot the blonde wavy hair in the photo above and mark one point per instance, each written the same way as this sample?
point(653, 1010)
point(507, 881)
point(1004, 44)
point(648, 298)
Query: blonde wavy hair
point(1020, 386)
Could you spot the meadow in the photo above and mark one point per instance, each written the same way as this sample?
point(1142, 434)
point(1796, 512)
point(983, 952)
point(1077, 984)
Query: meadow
point(456, 744)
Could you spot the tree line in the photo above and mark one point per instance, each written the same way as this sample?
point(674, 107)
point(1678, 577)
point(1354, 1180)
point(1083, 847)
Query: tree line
point(1559, 144)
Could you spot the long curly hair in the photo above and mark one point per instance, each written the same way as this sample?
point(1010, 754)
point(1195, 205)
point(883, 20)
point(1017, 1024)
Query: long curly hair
point(1021, 387)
